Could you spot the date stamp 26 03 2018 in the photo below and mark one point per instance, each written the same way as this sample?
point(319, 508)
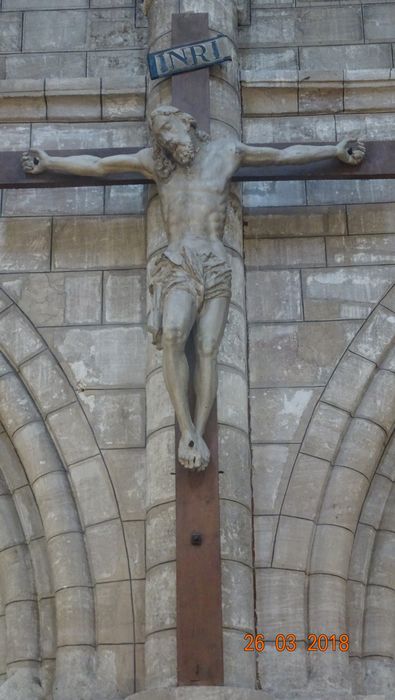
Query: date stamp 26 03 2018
point(289, 642)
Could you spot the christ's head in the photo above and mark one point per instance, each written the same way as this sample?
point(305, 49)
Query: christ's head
point(174, 135)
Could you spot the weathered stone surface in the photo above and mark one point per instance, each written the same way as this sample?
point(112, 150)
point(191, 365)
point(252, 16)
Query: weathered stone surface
point(161, 535)
point(344, 292)
point(361, 250)
point(70, 200)
point(57, 509)
point(268, 98)
point(135, 545)
point(298, 354)
point(237, 596)
point(232, 399)
point(362, 447)
point(116, 64)
point(36, 451)
point(379, 603)
point(117, 417)
point(347, 56)
point(161, 612)
point(285, 252)
point(349, 381)
point(91, 477)
point(105, 242)
point(327, 595)
point(280, 602)
point(274, 296)
point(18, 338)
point(56, 299)
point(160, 412)
point(14, 137)
point(355, 191)
point(43, 4)
point(306, 486)
point(361, 553)
point(107, 552)
point(298, 129)
point(95, 135)
point(265, 529)
point(379, 22)
point(371, 218)
point(325, 432)
point(72, 434)
point(293, 541)
point(236, 532)
point(22, 100)
point(45, 65)
point(68, 551)
point(268, 59)
point(377, 502)
point(73, 99)
point(295, 221)
point(234, 461)
point(124, 297)
point(325, 96)
point(12, 468)
point(25, 244)
point(11, 30)
point(271, 469)
point(16, 407)
point(127, 472)
point(383, 570)
point(331, 551)
point(114, 616)
point(232, 350)
point(376, 336)
point(343, 498)
point(281, 415)
point(87, 356)
point(161, 467)
point(124, 199)
point(161, 661)
point(378, 404)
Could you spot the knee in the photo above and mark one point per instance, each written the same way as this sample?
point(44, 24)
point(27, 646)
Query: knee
point(207, 346)
point(174, 337)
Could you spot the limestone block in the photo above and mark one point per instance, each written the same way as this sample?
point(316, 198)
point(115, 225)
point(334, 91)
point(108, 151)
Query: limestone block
point(112, 357)
point(157, 237)
point(232, 399)
point(389, 300)
point(287, 130)
point(344, 292)
point(18, 584)
point(293, 541)
point(382, 566)
point(232, 350)
point(378, 404)
point(11, 32)
point(74, 614)
point(94, 243)
point(135, 543)
point(43, 4)
point(72, 434)
point(349, 381)
point(127, 473)
point(331, 551)
point(266, 98)
point(22, 615)
point(361, 554)
point(371, 218)
point(225, 103)
point(325, 432)
point(161, 467)
point(73, 99)
point(322, 93)
point(56, 298)
point(46, 65)
point(352, 191)
point(47, 622)
point(57, 30)
point(57, 509)
point(268, 59)
point(42, 575)
point(355, 609)
point(22, 100)
point(280, 602)
point(124, 199)
point(124, 297)
point(343, 498)
point(115, 669)
point(161, 535)
point(18, 338)
point(25, 244)
point(271, 469)
point(378, 620)
point(28, 513)
point(360, 250)
point(114, 28)
point(236, 526)
point(14, 137)
point(374, 126)
point(114, 613)
point(274, 295)
point(265, 530)
point(233, 235)
point(161, 594)
point(69, 564)
point(295, 221)
point(11, 532)
point(117, 417)
point(239, 672)
point(91, 477)
point(376, 336)
point(327, 604)
point(379, 676)
point(238, 278)
point(68, 201)
point(160, 411)
point(285, 673)
point(16, 407)
point(95, 135)
point(5, 367)
point(113, 64)
point(303, 26)
point(358, 96)
point(387, 522)
point(237, 596)
point(47, 382)
point(5, 302)
point(298, 354)
point(379, 22)
point(286, 252)
point(349, 55)
point(362, 447)
point(161, 659)
point(235, 462)
point(222, 16)
point(107, 552)
point(11, 466)
point(281, 415)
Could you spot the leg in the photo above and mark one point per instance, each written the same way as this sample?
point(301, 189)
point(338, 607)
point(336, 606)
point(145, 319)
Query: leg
point(209, 333)
point(178, 318)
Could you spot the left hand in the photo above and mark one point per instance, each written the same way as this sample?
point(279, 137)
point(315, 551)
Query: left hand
point(350, 151)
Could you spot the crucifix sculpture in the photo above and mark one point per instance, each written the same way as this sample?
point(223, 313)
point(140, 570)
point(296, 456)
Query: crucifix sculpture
point(191, 282)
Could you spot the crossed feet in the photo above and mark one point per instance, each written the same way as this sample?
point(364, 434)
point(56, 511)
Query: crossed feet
point(193, 452)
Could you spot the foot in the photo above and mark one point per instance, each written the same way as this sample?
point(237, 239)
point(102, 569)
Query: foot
point(193, 452)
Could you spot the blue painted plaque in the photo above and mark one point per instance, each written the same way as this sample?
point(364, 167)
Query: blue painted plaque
point(188, 57)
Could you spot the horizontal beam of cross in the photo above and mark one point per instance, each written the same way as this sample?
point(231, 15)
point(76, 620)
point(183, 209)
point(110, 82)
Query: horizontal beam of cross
point(379, 164)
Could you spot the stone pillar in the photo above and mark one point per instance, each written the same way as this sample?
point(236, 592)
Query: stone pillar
point(234, 461)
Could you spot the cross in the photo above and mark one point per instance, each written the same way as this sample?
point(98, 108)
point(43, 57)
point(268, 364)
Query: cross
point(199, 616)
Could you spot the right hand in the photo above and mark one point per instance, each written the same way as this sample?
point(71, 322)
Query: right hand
point(35, 161)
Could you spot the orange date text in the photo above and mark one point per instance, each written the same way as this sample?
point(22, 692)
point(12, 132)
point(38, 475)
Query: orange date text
point(289, 643)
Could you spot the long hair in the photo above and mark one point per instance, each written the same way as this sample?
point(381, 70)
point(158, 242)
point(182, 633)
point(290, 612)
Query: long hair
point(164, 164)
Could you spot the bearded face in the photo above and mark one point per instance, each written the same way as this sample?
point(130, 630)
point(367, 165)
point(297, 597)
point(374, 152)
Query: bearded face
point(174, 136)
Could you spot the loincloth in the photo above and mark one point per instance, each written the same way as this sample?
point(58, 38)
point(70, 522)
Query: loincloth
point(200, 272)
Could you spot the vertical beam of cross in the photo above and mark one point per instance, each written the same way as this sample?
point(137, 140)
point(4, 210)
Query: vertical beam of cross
point(199, 600)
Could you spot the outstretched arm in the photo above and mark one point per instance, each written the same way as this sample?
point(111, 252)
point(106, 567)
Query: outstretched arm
point(348, 151)
point(37, 161)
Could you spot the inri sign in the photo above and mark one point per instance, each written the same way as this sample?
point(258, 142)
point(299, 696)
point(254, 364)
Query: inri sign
point(187, 57)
